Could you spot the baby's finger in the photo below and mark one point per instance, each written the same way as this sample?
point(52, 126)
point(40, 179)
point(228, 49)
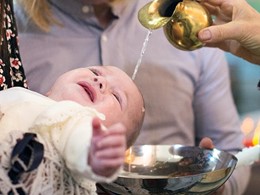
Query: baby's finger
point(96, 126)
point(111, 163)
point(117, 128)
point(114, 140)
point(118, 152)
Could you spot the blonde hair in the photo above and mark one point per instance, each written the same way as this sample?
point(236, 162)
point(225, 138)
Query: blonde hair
point(39, 12)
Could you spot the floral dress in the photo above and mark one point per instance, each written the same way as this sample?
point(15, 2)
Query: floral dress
point(11, 69)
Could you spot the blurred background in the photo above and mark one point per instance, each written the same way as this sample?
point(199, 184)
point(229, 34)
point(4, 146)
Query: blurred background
point(244, 79)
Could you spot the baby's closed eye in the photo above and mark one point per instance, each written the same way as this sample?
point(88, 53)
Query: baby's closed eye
point(1, 114)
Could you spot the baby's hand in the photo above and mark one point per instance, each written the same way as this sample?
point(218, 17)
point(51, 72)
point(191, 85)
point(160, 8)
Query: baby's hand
point(107, 148)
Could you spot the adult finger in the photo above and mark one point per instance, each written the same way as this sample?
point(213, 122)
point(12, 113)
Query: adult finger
point(219, 33)
point(206, 143)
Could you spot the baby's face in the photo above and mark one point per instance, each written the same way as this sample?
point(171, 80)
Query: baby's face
point(105, 88)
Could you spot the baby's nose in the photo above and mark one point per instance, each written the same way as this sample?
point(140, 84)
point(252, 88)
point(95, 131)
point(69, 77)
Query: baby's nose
point(101, 83)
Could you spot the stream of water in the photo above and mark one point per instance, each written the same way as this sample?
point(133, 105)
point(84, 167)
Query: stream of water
point(142, 54)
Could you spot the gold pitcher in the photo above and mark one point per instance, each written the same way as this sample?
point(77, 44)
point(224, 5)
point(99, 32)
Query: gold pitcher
point(180, 19)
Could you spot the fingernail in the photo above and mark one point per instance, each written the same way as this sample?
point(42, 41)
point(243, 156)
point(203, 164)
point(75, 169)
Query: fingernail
point(205, 35)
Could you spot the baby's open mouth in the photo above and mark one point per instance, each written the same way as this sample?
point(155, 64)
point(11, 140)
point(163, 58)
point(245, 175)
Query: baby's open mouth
point(88, 89)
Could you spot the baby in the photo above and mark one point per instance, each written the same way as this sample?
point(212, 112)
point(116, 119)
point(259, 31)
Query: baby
point(91, 115)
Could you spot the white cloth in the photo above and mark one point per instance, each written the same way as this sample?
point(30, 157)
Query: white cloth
point(65, 129)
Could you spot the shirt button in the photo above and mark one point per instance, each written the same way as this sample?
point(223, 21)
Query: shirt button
point(86, 9)
point(104, 38)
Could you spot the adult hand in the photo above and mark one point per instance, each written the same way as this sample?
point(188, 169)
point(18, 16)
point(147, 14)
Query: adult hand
point(236, 28)
point(107, 150)
point(208, 144)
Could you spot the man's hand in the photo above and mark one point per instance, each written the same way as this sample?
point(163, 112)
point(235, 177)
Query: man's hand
point(207, 143)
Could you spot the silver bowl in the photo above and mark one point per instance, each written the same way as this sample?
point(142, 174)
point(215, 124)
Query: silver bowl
point(172, 169)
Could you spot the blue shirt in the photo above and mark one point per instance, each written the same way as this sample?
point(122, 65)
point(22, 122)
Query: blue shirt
point(187, 94)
